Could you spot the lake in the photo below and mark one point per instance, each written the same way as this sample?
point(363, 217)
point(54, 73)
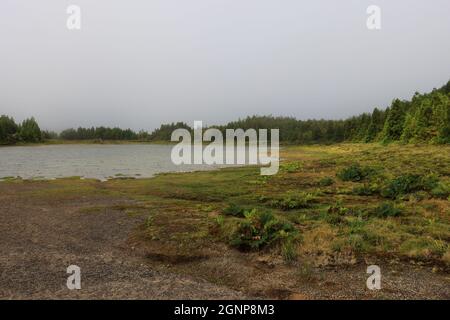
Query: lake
point(89, 161)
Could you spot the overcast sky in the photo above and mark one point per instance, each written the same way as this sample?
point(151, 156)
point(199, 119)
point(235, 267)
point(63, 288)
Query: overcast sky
point(139, 63)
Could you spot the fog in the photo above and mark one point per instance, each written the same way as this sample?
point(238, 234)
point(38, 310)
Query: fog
point(140, 63)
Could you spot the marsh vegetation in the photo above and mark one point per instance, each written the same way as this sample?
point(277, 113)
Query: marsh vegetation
point(339, 206)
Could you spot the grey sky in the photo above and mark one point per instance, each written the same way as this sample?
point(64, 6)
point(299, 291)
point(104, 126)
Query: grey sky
point(138, 63)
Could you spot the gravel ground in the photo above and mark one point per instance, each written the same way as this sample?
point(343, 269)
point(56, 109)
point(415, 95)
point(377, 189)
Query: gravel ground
point(38, 241)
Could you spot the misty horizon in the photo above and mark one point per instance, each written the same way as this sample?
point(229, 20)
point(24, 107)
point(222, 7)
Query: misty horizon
point(161, 62)
point(208, 124)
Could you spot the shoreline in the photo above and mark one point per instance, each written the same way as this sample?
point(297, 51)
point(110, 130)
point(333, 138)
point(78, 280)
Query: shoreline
point(84, 142)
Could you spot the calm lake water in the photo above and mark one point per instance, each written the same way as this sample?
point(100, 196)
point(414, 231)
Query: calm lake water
point(89, 161)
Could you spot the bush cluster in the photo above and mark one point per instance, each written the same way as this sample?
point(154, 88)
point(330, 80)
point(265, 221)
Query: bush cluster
point(354, 173)
point(259, 229)
point(409, 183)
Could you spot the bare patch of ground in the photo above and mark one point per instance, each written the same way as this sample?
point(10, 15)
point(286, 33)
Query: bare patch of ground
point(39, 239)
point(267, 276)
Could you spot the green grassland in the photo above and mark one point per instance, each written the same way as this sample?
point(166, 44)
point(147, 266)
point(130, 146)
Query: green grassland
point(349, 199)
point(346, 200)
point(328, 205)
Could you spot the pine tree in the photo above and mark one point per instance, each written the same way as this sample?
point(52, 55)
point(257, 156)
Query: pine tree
point(393, 127)
point(375, 126)
point(30, 131)
point(8, 130)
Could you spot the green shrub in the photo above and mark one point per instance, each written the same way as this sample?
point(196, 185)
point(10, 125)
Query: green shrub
point(338, 209)
point(442, 190)
point(233, 210)
point(325, 182)
point(260, 228)
point(335, 214)
point(387, 209)
point(408, 183)
point(354, 173)
point(356, 225)
point(293, 200)
point(429, 182)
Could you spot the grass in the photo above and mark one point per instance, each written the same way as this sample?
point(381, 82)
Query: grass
point(388, 201)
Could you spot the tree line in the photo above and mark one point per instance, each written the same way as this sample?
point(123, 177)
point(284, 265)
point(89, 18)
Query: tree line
point(27, 131)
point(424, 118)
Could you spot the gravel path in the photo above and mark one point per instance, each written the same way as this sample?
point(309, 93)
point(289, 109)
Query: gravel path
point(38, 241)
